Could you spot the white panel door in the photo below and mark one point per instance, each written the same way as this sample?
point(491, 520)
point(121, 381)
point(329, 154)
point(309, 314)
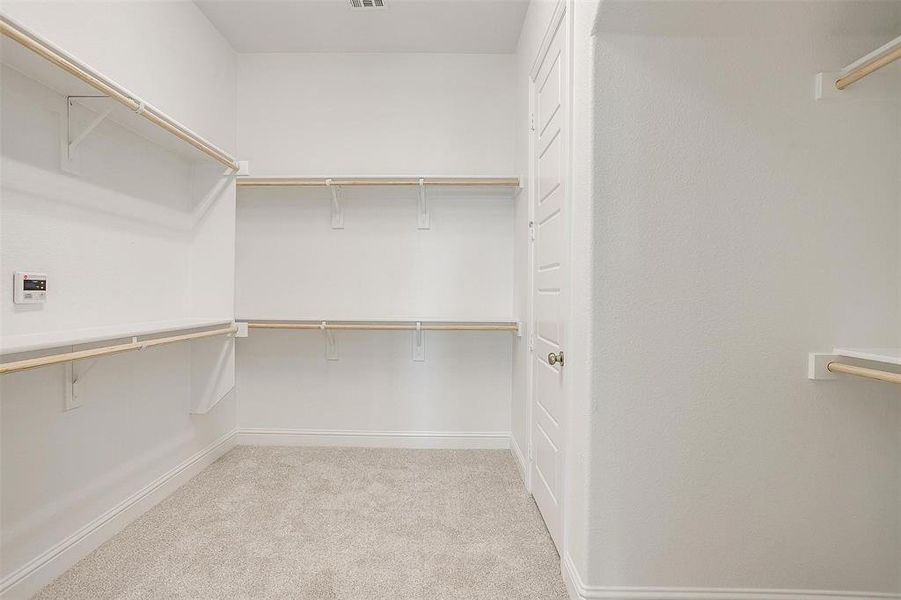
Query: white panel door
point(550, 276)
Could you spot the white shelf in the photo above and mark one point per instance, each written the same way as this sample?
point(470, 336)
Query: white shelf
point(830, 84)
point(143, 122)
point(387, 181)
point(401, 319)
point(139, 126)
point(12, 344)
point(891, 356)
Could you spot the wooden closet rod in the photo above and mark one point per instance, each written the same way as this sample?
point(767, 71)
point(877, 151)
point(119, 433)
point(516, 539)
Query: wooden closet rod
point(872, 62)
point(54, 359)
point(396, 181)
point(107, 88)
point(386, 326)
point(837, 367)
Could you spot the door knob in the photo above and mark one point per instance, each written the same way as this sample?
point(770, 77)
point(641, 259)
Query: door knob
point(553, 359)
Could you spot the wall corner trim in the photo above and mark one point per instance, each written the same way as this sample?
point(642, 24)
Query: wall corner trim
point(47, 566)
point(520, 459)
point(472, 440)
point(578, 590)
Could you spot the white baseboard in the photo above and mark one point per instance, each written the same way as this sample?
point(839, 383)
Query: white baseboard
point(28, 579)
point(521, 463)
point(484, 440)
point(580, 591)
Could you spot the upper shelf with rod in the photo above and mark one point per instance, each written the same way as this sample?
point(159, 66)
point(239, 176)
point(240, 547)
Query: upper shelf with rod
point(40, 60)
point(422, 183)
point(831, 84)
point(827, 365)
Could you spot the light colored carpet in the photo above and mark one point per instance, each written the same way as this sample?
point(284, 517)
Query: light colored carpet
point(333, 524)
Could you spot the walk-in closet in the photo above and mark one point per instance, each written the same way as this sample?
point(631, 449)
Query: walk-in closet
point(450, 299)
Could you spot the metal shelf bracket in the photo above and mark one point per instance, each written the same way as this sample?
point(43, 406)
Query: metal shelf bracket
point(74, 385)
point(74, 139)
point(337, 212)
point(418, 346)
point(424, 221)
point(331, 345)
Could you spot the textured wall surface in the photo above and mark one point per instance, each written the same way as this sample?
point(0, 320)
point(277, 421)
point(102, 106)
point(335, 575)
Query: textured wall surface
point(740, 225)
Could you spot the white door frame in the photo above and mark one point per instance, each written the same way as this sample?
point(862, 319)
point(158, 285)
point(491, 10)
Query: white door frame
point(562, 17)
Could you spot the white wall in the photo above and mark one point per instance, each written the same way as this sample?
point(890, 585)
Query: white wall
point(139, 236)
point(354, 114)
point(460, 268)
point(129, 194)
point(462, 388)
point(739, 225)
point(376, 114)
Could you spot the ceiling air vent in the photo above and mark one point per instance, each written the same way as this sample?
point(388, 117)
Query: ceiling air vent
point(367, 3)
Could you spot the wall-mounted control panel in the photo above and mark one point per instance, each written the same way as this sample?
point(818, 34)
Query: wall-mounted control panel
point(30, 288)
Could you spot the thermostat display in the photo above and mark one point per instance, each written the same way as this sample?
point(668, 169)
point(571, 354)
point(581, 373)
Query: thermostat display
point(30, 288)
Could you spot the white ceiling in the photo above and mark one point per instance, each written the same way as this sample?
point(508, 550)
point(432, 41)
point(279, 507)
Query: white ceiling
point(469, 26)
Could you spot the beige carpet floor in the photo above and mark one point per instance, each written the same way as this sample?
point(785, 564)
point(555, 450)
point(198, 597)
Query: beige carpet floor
point(332, 524)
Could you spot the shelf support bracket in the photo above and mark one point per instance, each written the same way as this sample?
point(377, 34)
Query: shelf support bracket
point(73, 140)
point(74, 143)
point(418, 347)
point(423, 219)
point(337, 212)
point(817, 365)
point(824, 85)
point(73, 384)
point(134, 340)
point(331, 345)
